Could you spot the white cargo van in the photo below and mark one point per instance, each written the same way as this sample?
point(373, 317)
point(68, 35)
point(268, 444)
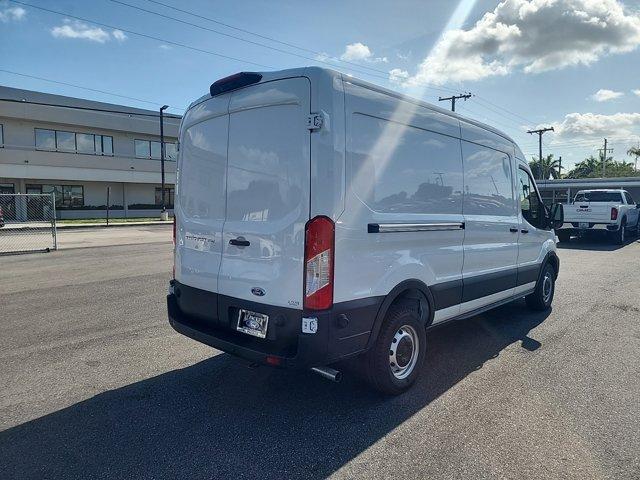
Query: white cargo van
point(319, 217)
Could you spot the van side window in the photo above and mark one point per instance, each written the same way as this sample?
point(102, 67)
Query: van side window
point(530, 204)
point(397, 168)
point(488, 186)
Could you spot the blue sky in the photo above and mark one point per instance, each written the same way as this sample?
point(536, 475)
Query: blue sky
point(530, 62)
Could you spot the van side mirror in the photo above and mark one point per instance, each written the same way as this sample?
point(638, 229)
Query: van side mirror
point(556, 216)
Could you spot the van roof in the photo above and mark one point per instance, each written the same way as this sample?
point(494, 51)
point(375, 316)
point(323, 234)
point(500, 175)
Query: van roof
point(313, 71)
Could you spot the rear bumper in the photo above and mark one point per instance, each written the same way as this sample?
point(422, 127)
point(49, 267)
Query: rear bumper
point(343, 330)
point(575, 227)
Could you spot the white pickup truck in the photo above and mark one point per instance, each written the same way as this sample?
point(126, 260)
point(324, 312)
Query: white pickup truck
point(612, 211)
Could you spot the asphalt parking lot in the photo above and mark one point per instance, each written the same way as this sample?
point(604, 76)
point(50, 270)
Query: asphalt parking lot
point(95, 384)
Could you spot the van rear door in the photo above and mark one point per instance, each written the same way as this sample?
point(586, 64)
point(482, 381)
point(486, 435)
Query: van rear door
point(267, 193)
point(200, 209)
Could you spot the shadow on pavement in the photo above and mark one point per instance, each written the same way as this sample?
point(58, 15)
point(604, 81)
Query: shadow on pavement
point(600, 243)
point(220, 419)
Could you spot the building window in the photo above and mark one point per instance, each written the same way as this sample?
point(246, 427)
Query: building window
point(151, 149)
point(85, 143)
point(171, 151)
point(1, 136)
point(67, 196)
point(62, 141)
point(169, 193)
point(45, 139)
point(65, 141)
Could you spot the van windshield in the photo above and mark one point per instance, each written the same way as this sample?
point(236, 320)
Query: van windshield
point(598, 197)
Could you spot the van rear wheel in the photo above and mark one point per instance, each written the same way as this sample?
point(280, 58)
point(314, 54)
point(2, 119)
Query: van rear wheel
point(394, 362)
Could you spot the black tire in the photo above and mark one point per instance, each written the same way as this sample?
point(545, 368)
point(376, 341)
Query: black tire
point(377, 361)
point(564, 236)
point(542, 296)
point(619, 236)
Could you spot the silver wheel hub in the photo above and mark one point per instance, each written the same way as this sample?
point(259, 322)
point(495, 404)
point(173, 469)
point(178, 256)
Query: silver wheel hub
point(547, 287)
point(403, 352)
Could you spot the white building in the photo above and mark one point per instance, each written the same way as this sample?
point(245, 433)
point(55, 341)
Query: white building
point(77, 148)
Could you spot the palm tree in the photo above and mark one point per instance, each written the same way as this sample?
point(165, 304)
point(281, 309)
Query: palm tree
point(634, 151)
point(550, 167)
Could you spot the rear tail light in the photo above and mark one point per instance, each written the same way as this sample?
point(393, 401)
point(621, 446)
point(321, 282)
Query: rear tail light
point(614, 213)
point(318, 263)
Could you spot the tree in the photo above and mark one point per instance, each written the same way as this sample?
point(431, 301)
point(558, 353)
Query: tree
point(635, 152)
point(592, 168)
point(550, 167)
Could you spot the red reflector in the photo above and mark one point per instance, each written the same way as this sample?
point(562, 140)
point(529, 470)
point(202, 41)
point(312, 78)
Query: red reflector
point(614, 213)
point(271, 360)
point(233, 82)
point(318, 263)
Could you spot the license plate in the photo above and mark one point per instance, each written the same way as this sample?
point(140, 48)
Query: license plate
point(583, 225)
point(252, 323)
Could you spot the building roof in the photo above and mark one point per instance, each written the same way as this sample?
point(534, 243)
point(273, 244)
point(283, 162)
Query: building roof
point(18, 94)
point(599, 183)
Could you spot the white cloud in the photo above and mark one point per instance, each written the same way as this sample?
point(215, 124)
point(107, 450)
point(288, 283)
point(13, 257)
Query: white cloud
point(636, 92)
point(603, 95)
point(534, 35)
point(164, 46)
point(80, 30)
point(356, 51)
point(360, 52)
point(398, 75)
point(119, 35)
point(12, 13)
point(584, 125)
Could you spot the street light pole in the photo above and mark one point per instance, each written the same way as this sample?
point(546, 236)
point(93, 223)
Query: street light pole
point(163, 212)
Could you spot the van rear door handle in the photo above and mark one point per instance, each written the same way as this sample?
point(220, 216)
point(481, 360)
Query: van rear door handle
point(239, 242)
point(513, 230)
point(524, 231)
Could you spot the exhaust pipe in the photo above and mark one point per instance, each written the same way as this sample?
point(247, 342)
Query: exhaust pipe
point(328, 373)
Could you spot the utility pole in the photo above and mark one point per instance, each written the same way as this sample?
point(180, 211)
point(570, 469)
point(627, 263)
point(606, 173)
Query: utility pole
point(453, 98)
point(560, 167)
point(163, 212)
point(604, 152)
point(540, 132)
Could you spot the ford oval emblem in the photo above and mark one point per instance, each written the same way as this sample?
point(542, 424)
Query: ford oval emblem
point(258, 291)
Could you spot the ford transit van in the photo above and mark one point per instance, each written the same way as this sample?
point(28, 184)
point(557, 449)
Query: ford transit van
point(319, 217)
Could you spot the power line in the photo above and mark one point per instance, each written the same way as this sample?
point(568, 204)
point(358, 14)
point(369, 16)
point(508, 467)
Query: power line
point(184, 22)
point(144, 35)
point(264, 37)
point(85, 88)
point(482, 99)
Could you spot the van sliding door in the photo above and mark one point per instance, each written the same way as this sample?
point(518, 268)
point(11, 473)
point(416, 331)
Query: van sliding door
point(491, 226)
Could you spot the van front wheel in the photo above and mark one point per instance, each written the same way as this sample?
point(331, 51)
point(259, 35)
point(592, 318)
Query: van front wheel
point(394, 362)
point(542, 296)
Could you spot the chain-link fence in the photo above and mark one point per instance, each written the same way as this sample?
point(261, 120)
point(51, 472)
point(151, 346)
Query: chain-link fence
point(27, 223)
